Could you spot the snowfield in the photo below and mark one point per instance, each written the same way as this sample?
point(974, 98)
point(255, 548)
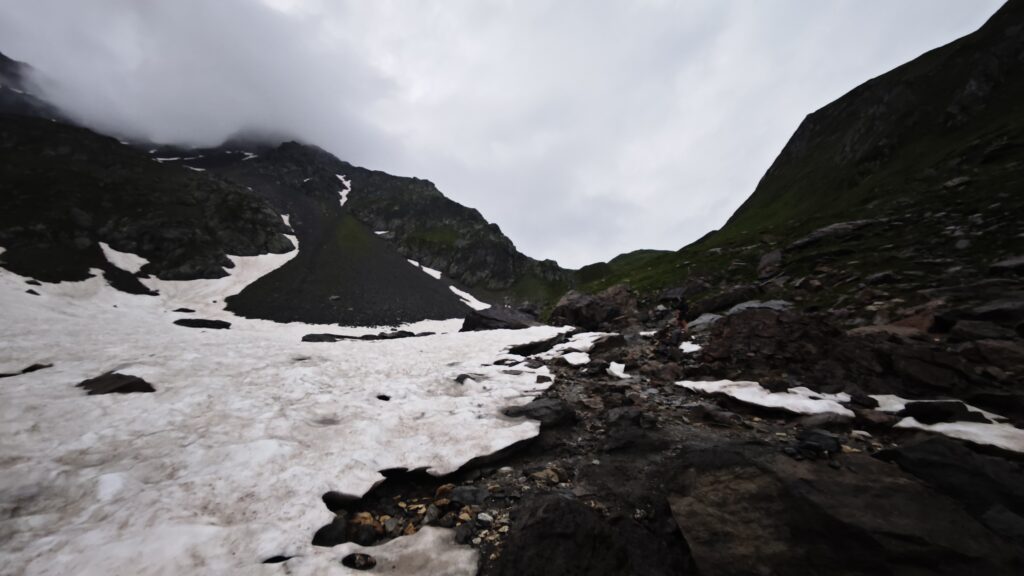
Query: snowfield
point(225, 464)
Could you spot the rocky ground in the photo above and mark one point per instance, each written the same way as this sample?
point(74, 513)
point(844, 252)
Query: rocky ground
point(640, 475)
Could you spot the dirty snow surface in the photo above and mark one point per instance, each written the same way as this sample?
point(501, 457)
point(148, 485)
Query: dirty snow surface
point(224, 465)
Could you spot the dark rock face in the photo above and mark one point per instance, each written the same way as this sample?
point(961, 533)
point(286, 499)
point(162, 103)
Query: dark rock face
point(496, 319)
point(555, 535)
point(114, 383)
point(68, 188)
point(773, 515)
point(606, 309)
point(203, 323)
point(539, 347)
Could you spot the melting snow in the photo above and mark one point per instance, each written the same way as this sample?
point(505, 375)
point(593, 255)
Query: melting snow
point(1000, 435)
point(249, 156)
point(380, 232)
point(287, 219)
point(193, 168)
point(224, 465)
point(469, 300)
point(577, 358)
point(799, 400)
point(348, 188)
point(162, 160)
point(689, 347)
point(123, 260)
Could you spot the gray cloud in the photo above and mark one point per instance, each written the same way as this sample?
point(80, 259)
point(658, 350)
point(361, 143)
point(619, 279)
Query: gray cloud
point(584, 129)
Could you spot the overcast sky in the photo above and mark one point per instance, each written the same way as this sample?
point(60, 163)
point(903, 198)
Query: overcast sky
point(583, 128)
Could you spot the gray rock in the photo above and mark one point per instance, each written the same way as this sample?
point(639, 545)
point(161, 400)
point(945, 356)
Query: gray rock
point(770, 264)
point(777, 305)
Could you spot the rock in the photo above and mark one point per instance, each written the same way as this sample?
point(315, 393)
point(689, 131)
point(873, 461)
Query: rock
point(551, 412)
point(1007, 312)
point(469, 495)
point(555, 535)
point(546, 476)
point(607, 343)
point(901, 332)
point(612, 306)
point(886, 277)
point(824, 420)
point(770, 264)
point(777, 305)
point(184, 310)
point(726, 299)
point(464, 533)
point(1008, 267)
point(484, 519)
point(987, 485)
point(1005, 354)
point(324, 338)
point(813, 443)
point(965, 330)
point(114, 383)
point(359, 561)
point(874, 419)
point(495, 318)
point(744, 511)
point(942, 411)
point(539, 347)
point(831, 232)
point(704, 322)
point(203, 323)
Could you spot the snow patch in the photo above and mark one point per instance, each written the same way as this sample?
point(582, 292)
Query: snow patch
point(194, 169)
point(162, 160)
point(799, 400)
point(689, 347)
point(577, 358)
point(249, 156)
point(618, 370)
point(469, 300)
point(380, 232)
point(287, 219)
point(1000, 435)
point(348, 188)
point(123, 260)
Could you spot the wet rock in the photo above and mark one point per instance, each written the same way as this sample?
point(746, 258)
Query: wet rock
point(495, 318)
point(814, 443)
point(556, 535)
point(203, 323)
point(114, 383)
point(943, 411)
point(551, 412)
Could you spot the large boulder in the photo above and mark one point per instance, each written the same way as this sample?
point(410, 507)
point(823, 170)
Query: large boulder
point(746, 512)
point(612, 307)
point(496, 319)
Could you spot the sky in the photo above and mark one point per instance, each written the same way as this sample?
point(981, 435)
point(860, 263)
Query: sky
point(584, 128)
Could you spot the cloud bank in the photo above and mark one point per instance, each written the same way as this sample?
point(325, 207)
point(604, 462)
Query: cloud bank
point(584, 129)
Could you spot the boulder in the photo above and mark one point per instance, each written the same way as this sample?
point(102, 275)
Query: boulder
point(495, 318)
point(752, 512)
point(831, 232)
point(942, 411)
point(965, 330)
point(613, 306)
